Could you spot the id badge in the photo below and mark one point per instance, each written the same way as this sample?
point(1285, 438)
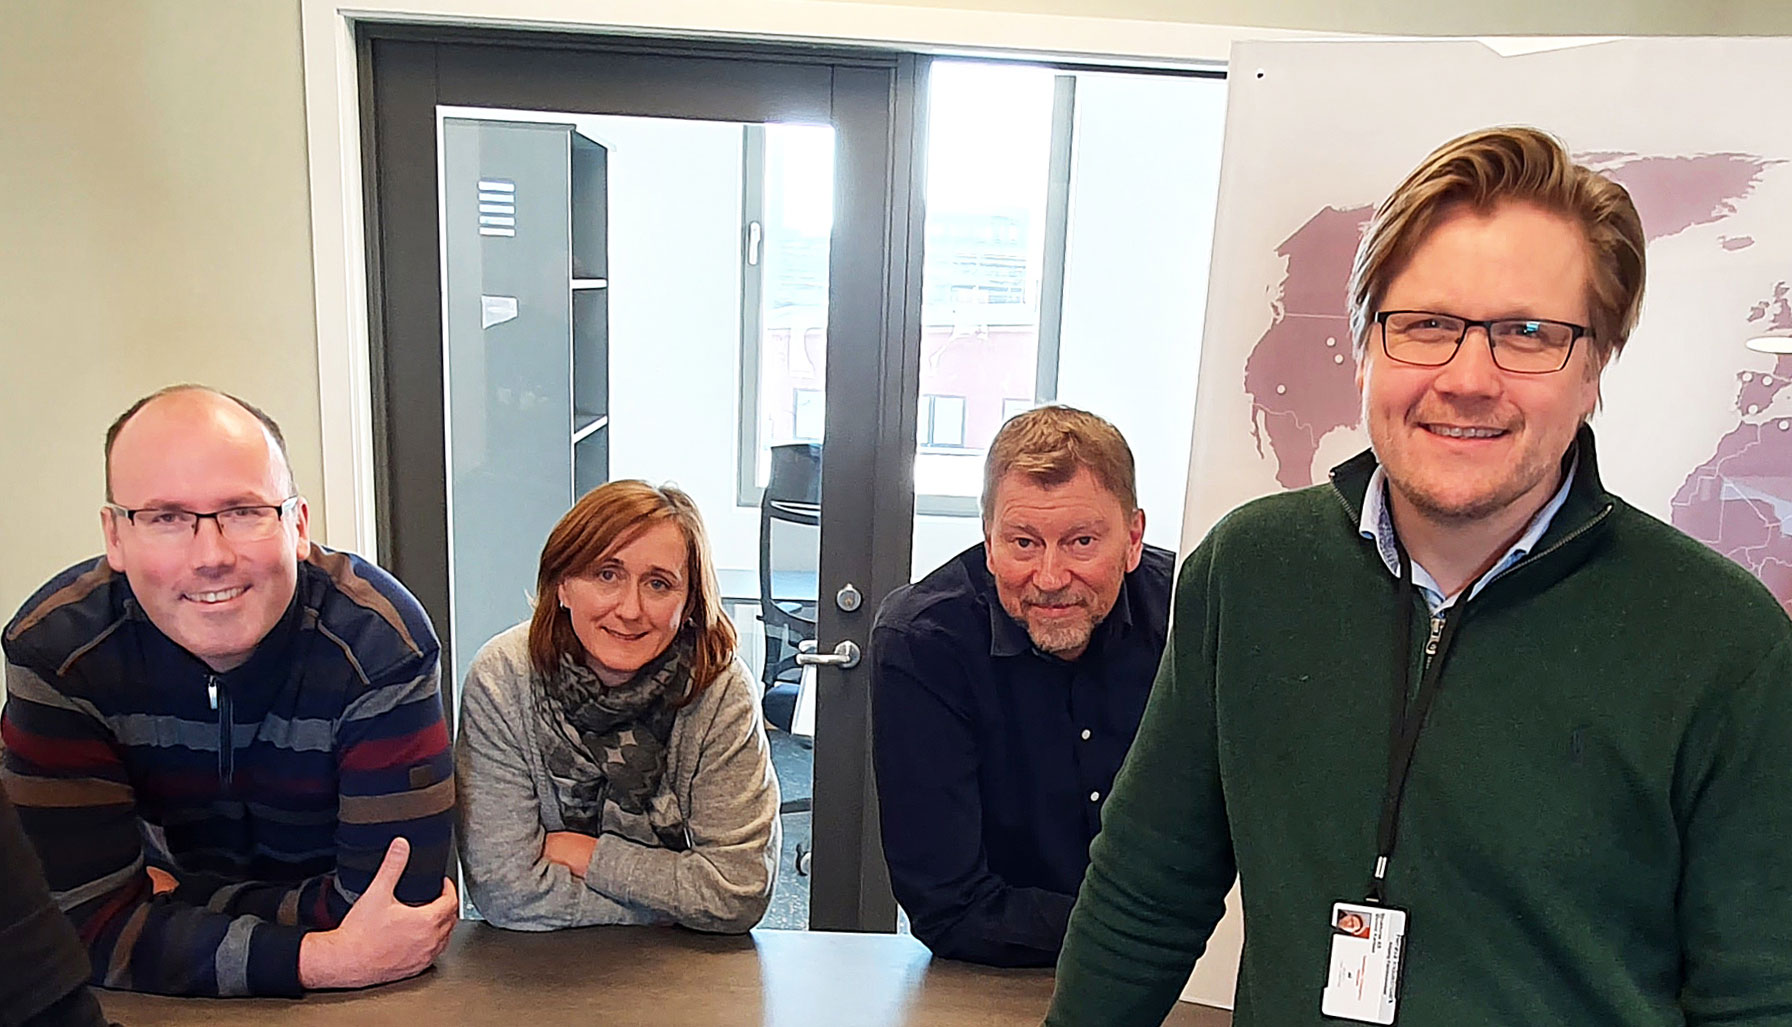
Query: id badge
point(1362, 982)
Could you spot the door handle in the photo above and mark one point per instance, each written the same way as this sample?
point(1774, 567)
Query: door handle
point(845, 655)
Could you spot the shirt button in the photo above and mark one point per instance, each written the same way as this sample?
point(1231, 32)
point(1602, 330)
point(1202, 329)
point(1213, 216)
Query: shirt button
point(1085, 734)
point(1094, 796)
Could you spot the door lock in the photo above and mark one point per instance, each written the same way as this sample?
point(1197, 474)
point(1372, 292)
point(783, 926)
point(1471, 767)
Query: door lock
point(848, 598)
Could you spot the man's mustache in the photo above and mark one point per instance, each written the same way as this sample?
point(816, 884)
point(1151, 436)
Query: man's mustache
point(1060, 597)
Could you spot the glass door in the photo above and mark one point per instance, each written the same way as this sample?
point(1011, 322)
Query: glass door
point(596, 260)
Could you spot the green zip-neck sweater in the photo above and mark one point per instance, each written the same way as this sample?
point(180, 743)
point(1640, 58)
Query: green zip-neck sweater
point(1598, 825)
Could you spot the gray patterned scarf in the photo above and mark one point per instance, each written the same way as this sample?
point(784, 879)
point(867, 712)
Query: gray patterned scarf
point(605, 748)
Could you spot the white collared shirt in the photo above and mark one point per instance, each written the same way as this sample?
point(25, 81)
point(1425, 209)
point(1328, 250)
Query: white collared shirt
point(1377, 525)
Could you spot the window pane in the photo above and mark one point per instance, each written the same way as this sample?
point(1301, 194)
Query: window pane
point(989, 153)
point(810, 415)
point(1143, 165)
point(793, 250)
point(948, 420)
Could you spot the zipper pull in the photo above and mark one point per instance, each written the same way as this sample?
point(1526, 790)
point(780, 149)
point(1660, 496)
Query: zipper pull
point(211, 690)
point(1437, 630)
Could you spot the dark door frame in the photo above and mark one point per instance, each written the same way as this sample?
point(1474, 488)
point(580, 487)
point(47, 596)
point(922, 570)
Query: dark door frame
point(874, 101)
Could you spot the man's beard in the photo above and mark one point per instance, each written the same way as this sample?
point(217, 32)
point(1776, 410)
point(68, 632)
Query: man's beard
point(1062, 635)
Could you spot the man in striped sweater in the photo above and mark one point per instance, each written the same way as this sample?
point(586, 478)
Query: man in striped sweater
point(225, 741)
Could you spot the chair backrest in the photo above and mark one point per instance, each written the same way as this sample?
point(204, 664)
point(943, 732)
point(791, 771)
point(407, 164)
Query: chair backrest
point(796, 473)
point(789, 549)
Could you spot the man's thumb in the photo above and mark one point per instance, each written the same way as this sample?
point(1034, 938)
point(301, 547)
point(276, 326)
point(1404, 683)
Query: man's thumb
point(385, 880)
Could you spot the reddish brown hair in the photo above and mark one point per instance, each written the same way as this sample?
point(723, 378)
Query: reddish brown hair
point(602, 521)
point(1050, 444)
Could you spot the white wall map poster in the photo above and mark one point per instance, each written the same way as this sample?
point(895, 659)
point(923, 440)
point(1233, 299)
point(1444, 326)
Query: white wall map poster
point(1696, 428)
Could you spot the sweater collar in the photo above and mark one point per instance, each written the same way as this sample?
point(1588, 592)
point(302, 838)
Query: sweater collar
point(1584, 508)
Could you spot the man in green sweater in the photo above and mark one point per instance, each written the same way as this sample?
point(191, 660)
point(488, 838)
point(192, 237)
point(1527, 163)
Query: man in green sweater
point(1482, 743)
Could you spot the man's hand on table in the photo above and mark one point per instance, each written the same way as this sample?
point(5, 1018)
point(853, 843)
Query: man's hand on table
point(570, 849)
point(381, 939)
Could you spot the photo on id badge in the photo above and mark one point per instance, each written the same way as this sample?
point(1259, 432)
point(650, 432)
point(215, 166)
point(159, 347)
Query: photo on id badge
point(1363, 976)
point(1351, 922)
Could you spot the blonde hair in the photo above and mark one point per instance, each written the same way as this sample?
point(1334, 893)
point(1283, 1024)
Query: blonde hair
point(1482, 170)
point(602, 521)
point(1050, 444)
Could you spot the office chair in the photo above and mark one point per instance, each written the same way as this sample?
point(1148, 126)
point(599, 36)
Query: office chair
point(789, 541)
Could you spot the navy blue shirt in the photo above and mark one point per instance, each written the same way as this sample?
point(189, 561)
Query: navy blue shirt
point(993, 758)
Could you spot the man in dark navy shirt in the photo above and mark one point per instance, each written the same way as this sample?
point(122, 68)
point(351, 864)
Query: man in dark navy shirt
point(1007, 686)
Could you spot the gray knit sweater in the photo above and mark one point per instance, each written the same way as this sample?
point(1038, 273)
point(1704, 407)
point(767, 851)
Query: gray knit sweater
point(718, 765)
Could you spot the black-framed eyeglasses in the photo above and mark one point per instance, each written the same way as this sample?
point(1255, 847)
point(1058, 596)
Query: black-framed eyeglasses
point(253, 523)
point(1522, 345)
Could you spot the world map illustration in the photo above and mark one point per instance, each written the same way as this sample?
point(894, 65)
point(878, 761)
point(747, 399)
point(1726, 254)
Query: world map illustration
point(1300, 374)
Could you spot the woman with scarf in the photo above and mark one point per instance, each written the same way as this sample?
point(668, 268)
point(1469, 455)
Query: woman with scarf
point(612, 760)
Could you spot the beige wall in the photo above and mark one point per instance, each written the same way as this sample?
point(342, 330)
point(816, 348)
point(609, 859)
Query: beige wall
point(154, 228)
point(153, 198)
point(1432, 17)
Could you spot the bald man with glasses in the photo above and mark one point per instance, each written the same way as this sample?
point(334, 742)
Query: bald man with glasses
point(225, 741)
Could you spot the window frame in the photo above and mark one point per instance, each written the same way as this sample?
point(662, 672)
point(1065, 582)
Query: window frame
point(928, 422)
point(1051, 295)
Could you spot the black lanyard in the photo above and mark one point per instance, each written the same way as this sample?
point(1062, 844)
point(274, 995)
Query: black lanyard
point(1407, 719)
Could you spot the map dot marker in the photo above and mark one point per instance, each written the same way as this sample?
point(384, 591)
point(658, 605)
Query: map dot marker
point(1785, 424)
point(1754, 408)
point(1331, 340)
point(1767, 379)
point(1338, 359)
point(1746, 377)
point(1281, 390)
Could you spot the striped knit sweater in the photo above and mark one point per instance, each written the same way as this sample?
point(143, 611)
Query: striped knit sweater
point(270, 791)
